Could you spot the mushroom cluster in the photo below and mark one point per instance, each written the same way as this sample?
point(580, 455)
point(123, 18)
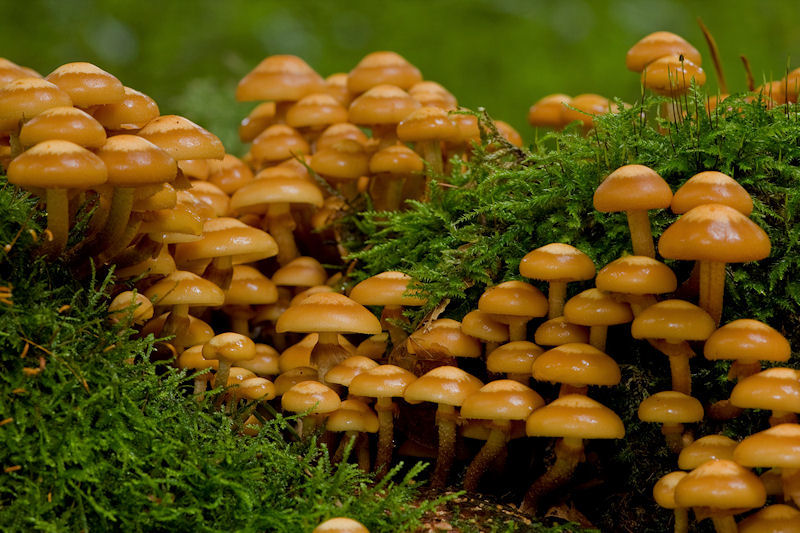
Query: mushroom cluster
point(227, 254)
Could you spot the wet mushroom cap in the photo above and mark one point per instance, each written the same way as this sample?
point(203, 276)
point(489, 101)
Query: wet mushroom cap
point(444, 336)
point(340, 525)
point(131, 113)
point(24, 98)
point(230, 174)
point(705, 449)
point(584, 107)
point(383, 381)
point(65, 123)
point(547, 112)
point(664, 489)
point(594, 307)
point(778, 446)
point(748, 340)
point(310, 395)
point(344, 372)
point(557, 331)
point(514, 357)
point(264, 363)
point(636, 274)
point(777, 389)
point(290, 378)
point(557, 261)
point(316, 110)
point(777, 518)
point(672, 75)
point(185, 288)
point(427, 124)
point(87, 84)
point(133, 161)
point(250, 287)
point(353, 415)
point(396, 159)
point(382, 104)
point(513, 298)
point(328, 312)
point(303, 271)
point(670, 407)
point(673, 319)
point(503, 399)
point(57, 164)
point(575, 416)
point(225, 236)
point(711, 187)
point(230, 347)
point(446, 385)
point(720, 484)
point(182, 139)
point(482, 326)
point(387, 288)
point(279, 78)
point(657, 45)
point(632, 187)
point(379, 68)
point(278, 143)
point(576, 364)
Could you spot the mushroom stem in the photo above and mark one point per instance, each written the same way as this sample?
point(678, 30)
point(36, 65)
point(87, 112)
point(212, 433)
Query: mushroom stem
point(223, 372)
point(556, 295)
point(790, 480)
point(489, 452)
point(712, 288)
point(432, 153)
point(641, 234)
point(118, 214)
point(387, 192)
point(518, 377)
point(725, 524)
point(176, 323)
point(679, 354)
point(347, 438)
point(385, 409)
point(782, 417)
point(569, 452)
point(597, 337)
point(57, 219)
point(390, 315)
point(281, 226)
point(567, 388)
point(446, 420)
point(327, 353)
point(639, 302)
point(741, 369)
point(674, 436)
point(518, 329)
point(220, 272)
point(681, 520)
point(200, 384)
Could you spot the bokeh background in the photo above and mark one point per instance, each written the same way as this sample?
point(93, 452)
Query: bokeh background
point(499, 54)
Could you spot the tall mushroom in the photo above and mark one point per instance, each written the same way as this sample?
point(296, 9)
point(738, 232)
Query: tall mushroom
point(714, 234)
point(634, 189)
point(558, 264)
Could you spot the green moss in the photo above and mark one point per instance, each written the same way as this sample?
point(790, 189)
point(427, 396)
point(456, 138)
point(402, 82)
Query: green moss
point(94, 443)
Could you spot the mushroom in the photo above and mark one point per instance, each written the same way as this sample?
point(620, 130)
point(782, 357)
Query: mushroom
point(440, 342)
point(383, 383)
point(514, 303)
point(584, 107)
point(664, 495)
point(228, 348)
point(515, 359)
point(448, 387)
point(634, 189)
point(704, 449)
point(776, 447)
point(379, 68)
point(344, 372)
point(430, 93)
point(292, 377)
point(128, 115)
point(668, 325)
point(572, 418)
point(657, 45)
point(427, 128)
point(711, 187)
point(130, 305)
point(558, 264)
point(485, 328)
point(341, 165)
point(558, 331)
point(336, 86)
point(264, 363)
point(314, 399)
point(776, 518)
point(718, 489)
point(393, 291)
point(328, 313)
point(500, 402)
point(776, 389)
point(636, 279)
point(576, 366)
point(227, 242)
point(313, 113)
point(381, 108)
point(714, 234)
point(340, 525)
point(57, 166)
point(547, 111)
point(354, 418)
point(248, 287)
point(391, 168)
point(64, 123)
point(87, 85)
point(230, 174)
point(277, 143)
point(192, 360)
point(24, 98)
point(281, 78)
point(671, 409)
point(598, 310)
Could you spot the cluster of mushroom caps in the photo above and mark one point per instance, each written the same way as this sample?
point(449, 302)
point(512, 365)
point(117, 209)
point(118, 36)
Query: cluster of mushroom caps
point(714, 229)
point(324, 120)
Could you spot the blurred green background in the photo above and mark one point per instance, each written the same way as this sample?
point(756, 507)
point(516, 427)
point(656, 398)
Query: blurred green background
point(500, 54)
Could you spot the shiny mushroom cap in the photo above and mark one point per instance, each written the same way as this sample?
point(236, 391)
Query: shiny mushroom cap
point(747, 340)
point(328, 312)
point(657, 45)
point(575, 416)
point(632, 187)
point(382, 381)
point(636, 274)
point(380, 68)
point(706, 448)
point(711, 187)
point(777, 389)
point(670, 407)
point(387, 288)
point(720, 484)
point(557, 262)
point(503, 399)
point(673, 320)
point(576, 364)
point(446, 385)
